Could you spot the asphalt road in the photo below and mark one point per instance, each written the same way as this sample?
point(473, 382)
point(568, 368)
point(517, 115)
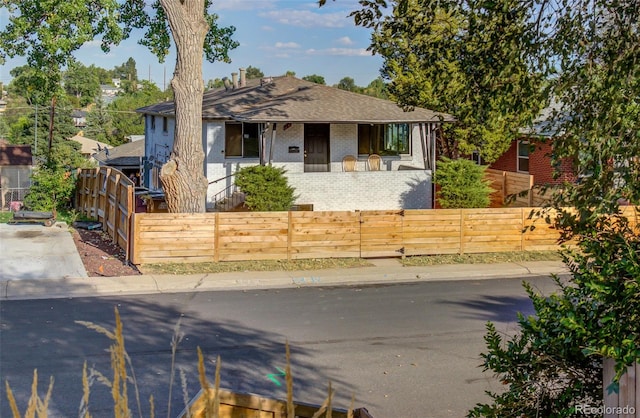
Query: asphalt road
point(403, 350)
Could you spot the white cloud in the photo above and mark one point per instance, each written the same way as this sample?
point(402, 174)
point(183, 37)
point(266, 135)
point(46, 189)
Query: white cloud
point(288, 45)
point(307, 19)
point(345, 40)
point(345, 52)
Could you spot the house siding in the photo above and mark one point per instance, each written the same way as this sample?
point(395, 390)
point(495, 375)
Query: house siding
point(390, 188)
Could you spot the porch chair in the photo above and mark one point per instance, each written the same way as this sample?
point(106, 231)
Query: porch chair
point(374, 162)
point(349, 163)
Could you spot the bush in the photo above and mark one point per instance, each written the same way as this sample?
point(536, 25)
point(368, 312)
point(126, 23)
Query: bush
point(52, 188)
point(266, 188)
point(462, 184)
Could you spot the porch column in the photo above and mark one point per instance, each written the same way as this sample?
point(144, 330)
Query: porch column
point(273, 137)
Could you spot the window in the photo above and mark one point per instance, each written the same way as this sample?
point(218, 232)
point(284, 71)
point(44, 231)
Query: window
point(241, 140)
point(153, 123)
point(383, 139)
point(165, 124)
point(523, 156)
point(477, 158)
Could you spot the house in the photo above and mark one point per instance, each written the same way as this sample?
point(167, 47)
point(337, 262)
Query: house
point(88, 146)
point(322, 136)
point(531, 153)
point(16, 166)
point(79, 118)
point(126, 158)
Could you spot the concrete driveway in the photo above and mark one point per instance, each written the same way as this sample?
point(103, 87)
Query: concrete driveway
point(33, 251)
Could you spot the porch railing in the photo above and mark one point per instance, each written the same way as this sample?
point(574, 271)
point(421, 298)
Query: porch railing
point(229, 198)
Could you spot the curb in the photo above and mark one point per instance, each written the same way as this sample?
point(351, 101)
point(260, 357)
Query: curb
point(72, 287)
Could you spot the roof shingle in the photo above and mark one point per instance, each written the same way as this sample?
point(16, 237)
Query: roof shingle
point(289, 99)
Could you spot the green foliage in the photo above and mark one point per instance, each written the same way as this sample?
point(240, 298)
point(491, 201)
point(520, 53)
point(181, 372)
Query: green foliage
point(315, 78)
point(265, 188)
point(348, 84)
point(253, 72)
point(462, 184)
point(82, 83)
point(467, 58)
point(121, 113)
point(545, 372)
point(52, 188)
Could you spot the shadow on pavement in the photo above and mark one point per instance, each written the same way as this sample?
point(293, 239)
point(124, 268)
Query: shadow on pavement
point(43, 335)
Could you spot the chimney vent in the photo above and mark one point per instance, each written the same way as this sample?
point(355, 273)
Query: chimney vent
point(243, 77)
point(234, 80)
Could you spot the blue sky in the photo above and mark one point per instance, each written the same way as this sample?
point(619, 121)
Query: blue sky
point(275, 36)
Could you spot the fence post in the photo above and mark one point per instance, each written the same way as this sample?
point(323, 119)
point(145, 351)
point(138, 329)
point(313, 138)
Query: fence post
point(530, 193)
point(216, 237)
point(289, 235)
point(462, 231)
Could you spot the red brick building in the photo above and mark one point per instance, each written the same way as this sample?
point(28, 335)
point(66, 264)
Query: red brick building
point(533, 156)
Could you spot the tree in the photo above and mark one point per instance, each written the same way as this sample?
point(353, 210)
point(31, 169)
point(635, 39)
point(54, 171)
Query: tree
point(82, 83)
point(593, 46)
point(253, 72)
point(348, 84)
point(314, 78)
point(124, 119)
point(468, 58)
point(265, 188)
point(100, 123)
point(49, 34)
point(377, 88)
point(128, 75)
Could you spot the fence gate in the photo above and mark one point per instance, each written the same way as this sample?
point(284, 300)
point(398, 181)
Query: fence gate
point(381, 233)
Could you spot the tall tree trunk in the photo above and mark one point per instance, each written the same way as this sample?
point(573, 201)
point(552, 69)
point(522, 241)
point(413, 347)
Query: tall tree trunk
point(183, 180)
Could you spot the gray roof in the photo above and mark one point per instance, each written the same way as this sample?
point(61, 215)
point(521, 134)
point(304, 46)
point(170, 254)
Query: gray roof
point(125, 155)
point(289, 99)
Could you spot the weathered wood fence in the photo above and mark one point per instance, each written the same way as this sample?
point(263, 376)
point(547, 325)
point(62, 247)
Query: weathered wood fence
point(626, 402)
point(107, 195)
point(235, 405)
point(515, 189)
point(234, 236)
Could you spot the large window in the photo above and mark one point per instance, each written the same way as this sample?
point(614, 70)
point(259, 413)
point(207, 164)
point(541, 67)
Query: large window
point(523, 156)
point(241, 140)
point(384, 139)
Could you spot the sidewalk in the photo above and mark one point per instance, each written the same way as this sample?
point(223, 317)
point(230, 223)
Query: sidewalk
point(385, 271)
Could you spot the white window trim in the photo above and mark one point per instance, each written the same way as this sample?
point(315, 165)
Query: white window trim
point(518, 156)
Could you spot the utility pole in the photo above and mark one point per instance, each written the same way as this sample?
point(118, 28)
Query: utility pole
point(51, 116)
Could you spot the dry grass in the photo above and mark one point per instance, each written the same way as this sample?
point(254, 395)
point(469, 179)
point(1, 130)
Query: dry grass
point(333, 263)
point(264, 265)
point(485, 258)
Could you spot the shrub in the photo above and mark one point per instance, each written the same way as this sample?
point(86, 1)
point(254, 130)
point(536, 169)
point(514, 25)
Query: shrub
point(265, 188)
point(462, 184)
point(52, 188)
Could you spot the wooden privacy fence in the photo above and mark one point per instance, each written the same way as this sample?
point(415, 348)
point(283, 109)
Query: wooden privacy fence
point(235, 236)
point(625, 403)
point(515, 189)
point(107, 195)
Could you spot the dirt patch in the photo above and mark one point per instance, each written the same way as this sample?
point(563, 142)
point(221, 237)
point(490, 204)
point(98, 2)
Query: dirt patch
point(100, 256)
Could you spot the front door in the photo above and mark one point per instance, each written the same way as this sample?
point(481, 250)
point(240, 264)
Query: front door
point(316, 147)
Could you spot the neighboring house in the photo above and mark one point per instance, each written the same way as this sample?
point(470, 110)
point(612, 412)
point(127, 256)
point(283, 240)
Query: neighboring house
point(16, 166)
point(89, 146)
point(532, 152)
point(308, 129)
point(126, 158)
point(79, 118)
point(532, 155)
